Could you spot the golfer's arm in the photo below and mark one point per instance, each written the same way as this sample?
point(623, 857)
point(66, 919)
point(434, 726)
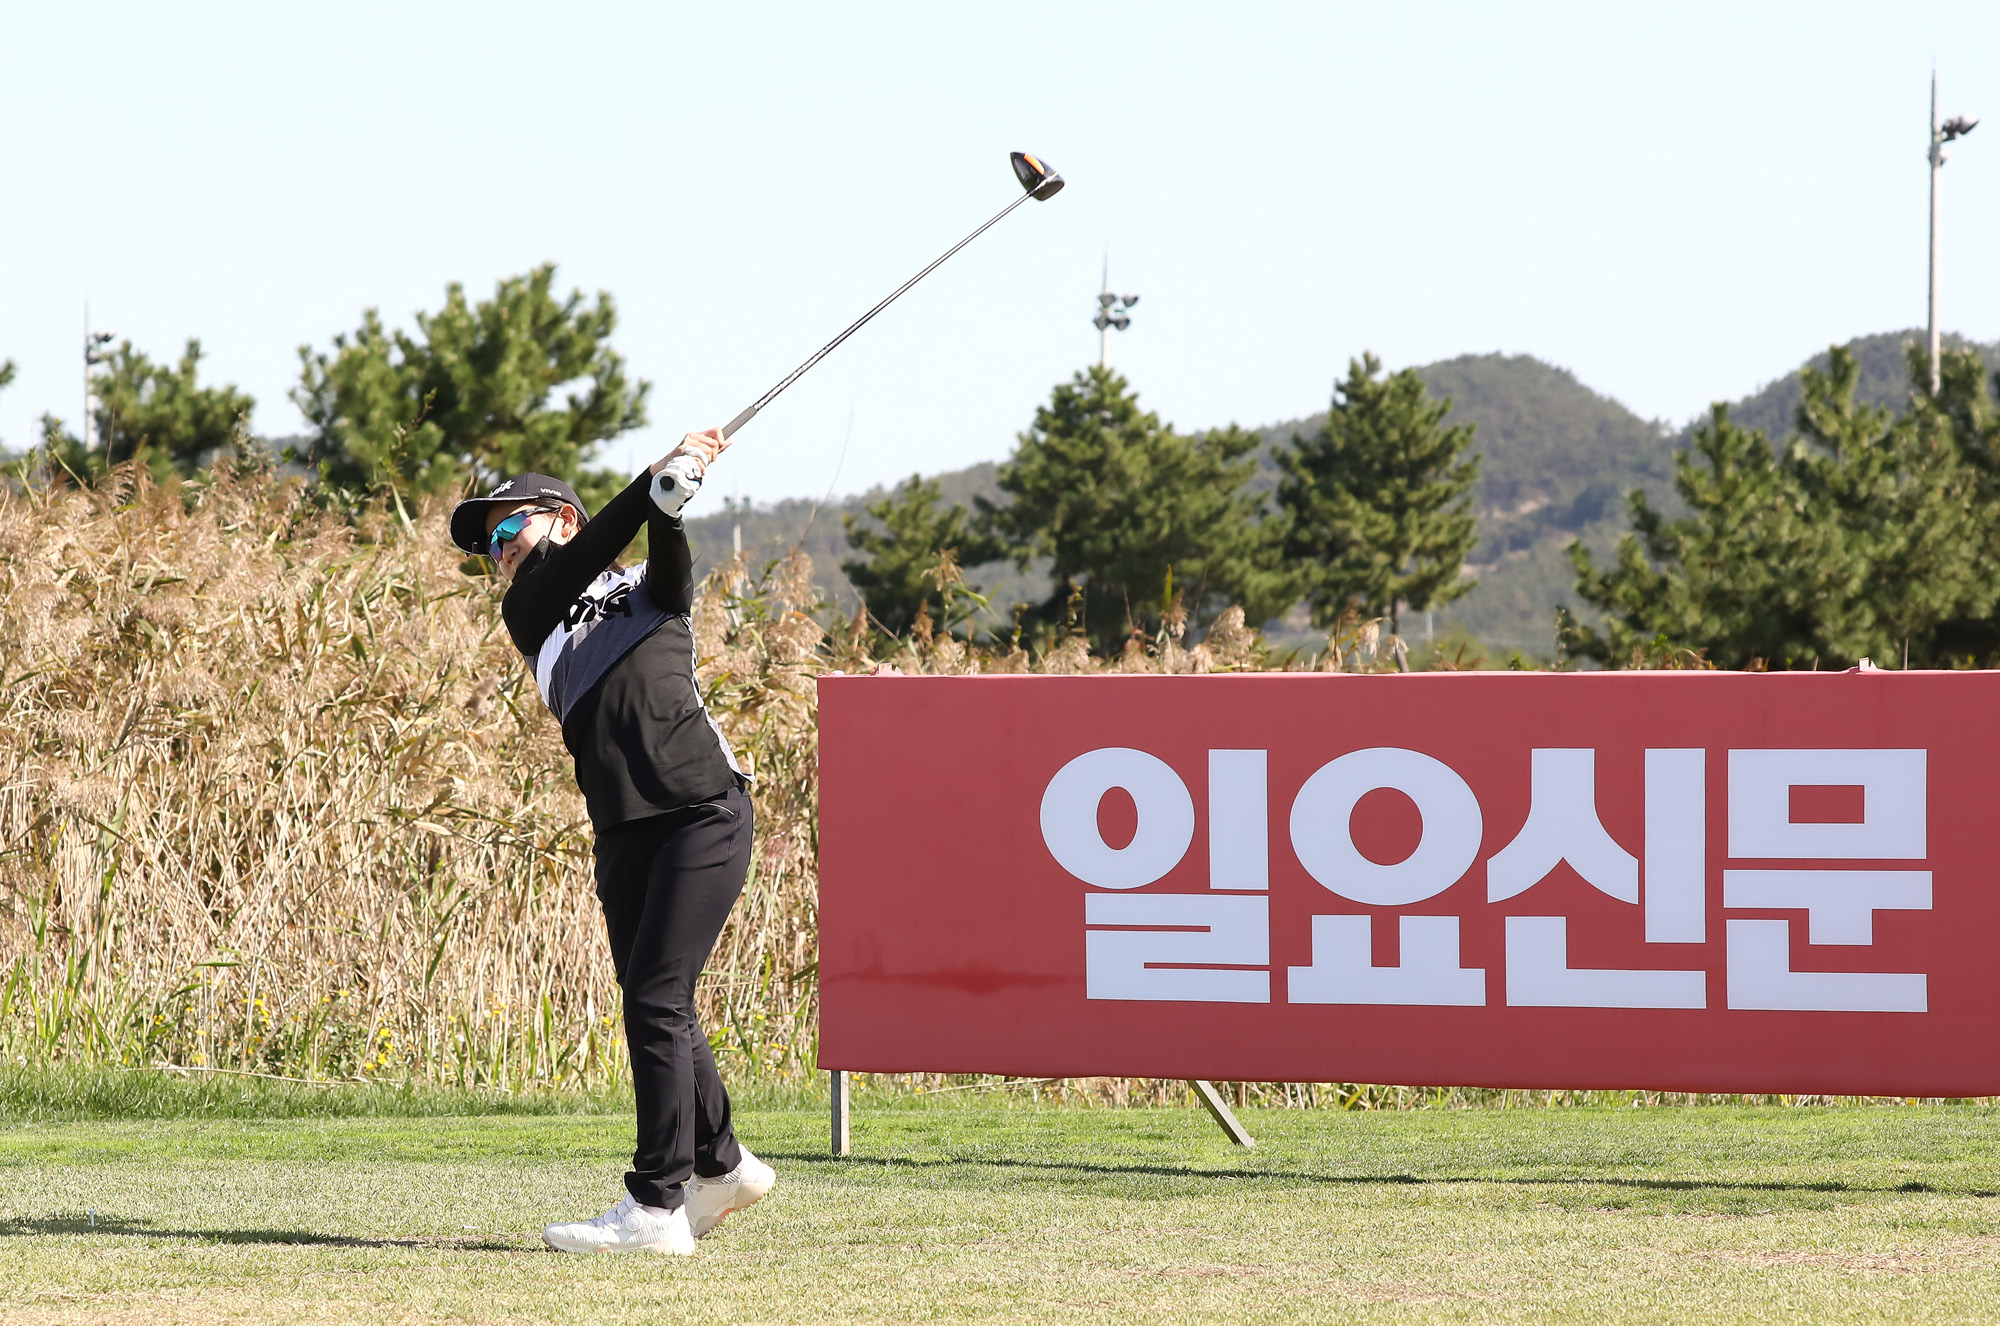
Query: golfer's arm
point(669, 563)
point(535, 606)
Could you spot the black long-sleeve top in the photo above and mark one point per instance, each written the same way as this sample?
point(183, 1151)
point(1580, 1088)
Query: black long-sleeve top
point(613, 654)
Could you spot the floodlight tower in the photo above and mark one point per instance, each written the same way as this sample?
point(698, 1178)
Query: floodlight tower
point(1112, 311)
point(1956, 127)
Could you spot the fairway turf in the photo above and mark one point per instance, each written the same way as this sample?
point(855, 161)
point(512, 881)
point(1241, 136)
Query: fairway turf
point(975, 1212)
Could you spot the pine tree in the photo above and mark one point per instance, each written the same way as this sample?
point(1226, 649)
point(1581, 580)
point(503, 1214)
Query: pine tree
point(157, 414)
point(1376, 506)
point(470, 392)
point(904, 563)
point(1125, 506)
point(1966, 401)
point(1716, 588)
point(1870, 535)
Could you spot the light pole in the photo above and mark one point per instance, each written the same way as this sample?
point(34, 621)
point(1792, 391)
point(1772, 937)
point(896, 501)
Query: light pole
point(93, 355)
point(1112, 311)
point(1956, 127)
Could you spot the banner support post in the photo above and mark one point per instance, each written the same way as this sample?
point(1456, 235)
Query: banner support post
point(1218, 1109)
point(838, 1081)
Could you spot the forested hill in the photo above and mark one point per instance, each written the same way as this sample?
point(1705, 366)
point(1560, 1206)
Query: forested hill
point(1556, 461)
point(1885, 379)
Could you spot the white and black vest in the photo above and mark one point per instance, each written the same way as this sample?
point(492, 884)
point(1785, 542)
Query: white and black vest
point(619, 674)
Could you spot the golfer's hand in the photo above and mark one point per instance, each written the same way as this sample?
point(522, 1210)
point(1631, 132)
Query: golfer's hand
point(704, 446)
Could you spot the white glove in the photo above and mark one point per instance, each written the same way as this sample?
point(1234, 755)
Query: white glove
point(676, 482)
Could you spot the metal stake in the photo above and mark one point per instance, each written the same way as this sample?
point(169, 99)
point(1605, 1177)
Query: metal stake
point(1218, 1109)
point(838, 1081)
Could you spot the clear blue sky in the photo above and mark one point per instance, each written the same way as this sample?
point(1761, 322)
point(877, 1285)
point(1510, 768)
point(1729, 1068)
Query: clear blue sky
point(1677, 202)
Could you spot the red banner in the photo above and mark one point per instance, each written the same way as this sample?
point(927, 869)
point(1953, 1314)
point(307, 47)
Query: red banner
point(1671, 881)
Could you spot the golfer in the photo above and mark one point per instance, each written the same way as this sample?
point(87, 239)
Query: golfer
point(612, 652)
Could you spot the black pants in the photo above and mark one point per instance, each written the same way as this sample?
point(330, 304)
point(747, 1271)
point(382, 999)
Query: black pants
point(667, 884)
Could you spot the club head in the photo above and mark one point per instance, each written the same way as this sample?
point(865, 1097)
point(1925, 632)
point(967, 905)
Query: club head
point(1036, 176)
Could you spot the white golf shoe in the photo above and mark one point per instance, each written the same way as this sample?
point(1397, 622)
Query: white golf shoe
point(709, 1200)
point(626, 1227)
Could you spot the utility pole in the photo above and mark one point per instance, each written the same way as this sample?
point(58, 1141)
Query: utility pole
point(1956, 127)
point(89, 350)
point(1112, 311)
point(93, 355)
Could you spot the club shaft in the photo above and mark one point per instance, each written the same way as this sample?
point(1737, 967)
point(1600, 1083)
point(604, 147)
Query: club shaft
point(750, 412)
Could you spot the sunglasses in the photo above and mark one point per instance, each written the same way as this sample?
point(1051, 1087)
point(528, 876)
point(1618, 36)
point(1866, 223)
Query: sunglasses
point(510, 529)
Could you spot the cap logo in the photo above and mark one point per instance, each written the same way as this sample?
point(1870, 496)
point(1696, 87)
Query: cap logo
point(502, 488)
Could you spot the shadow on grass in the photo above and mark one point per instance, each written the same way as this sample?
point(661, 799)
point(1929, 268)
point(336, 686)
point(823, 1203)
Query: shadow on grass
point(35, 1226)
point(1364, 1180)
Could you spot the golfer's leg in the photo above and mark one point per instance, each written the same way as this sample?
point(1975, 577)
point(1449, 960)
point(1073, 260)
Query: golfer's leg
point(623, 859)
point(697, 873)
point(715, 1149)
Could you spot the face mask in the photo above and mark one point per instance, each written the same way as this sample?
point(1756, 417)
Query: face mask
point(532, 559)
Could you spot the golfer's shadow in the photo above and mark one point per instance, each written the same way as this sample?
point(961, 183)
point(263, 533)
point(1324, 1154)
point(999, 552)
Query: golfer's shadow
point(33, 1226)
point(1360, 1180)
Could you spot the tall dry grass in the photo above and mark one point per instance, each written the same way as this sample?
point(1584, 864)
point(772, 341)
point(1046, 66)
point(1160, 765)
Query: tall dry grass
point(277, 795)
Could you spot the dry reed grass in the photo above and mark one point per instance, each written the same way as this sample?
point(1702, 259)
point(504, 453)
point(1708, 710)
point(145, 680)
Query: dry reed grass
point(276, 795)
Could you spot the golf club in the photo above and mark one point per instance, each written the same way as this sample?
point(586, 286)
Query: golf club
point(1038, 181)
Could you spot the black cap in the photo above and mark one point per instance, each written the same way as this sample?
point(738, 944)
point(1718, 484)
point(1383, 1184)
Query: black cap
point(468, 518)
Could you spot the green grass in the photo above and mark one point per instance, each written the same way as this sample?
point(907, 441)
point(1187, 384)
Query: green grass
point(31, 1096)
point(75, 1095)
point(978, 1210)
